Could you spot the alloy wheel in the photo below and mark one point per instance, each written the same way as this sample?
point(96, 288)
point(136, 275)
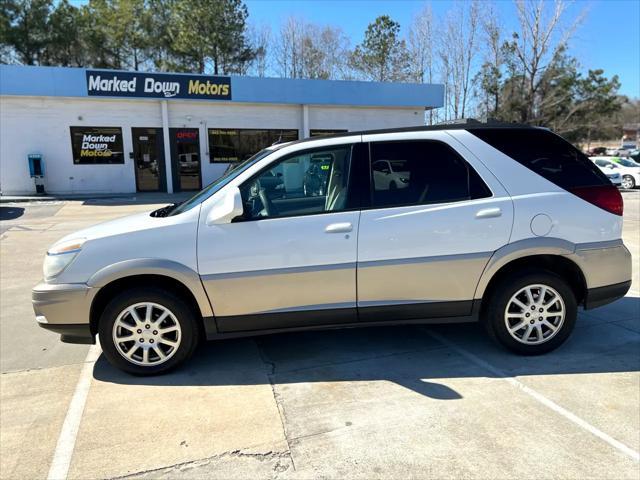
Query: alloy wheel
point(627, 182)
point(534, 314)
point(146, 334)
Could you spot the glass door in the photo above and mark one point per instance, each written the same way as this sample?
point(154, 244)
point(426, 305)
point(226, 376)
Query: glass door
point(148, 154)
point(185, 159)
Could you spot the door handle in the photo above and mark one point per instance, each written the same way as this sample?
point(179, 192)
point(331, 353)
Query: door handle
point(489, 213)
point(339, 228)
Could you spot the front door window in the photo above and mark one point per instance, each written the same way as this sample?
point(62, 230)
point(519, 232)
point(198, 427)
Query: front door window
point(309, 182)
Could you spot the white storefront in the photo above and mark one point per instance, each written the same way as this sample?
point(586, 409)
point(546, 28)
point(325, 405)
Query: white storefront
point(167, 143)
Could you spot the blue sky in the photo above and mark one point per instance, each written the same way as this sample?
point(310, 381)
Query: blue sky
point(608, 38)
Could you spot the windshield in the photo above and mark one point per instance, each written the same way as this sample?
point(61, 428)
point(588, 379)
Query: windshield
point(216, 185)
point(627, 163)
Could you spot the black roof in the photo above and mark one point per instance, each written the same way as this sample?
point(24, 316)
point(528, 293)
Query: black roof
point(466, 124)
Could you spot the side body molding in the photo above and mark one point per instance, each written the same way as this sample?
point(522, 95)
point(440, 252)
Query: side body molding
point(520, 249)
point(155, 266)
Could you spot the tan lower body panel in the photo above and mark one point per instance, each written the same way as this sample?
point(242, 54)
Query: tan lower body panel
point(430, 279)
point(603, 266)
point(282, 290)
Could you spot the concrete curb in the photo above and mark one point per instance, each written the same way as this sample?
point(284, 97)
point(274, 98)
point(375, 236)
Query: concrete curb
point(150, 197)
point(57, 198)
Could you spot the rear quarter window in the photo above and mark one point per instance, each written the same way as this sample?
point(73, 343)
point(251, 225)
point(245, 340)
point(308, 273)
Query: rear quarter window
point(546, 154)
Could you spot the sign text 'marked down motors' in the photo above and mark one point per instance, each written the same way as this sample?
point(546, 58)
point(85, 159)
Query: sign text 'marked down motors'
point(157, 85)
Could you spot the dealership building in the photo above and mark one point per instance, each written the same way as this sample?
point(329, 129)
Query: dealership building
point(110, 131)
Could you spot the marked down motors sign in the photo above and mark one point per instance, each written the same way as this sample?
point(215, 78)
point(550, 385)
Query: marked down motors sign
point(157, 85)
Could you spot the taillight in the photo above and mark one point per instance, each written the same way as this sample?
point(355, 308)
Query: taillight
point(607, 197)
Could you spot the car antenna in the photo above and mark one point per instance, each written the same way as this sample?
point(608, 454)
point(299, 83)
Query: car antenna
point(279, 140)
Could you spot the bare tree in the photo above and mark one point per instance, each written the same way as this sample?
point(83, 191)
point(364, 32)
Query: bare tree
point(489, 77)
point(306, 50)
point(543, 36)
point(422, 35)
point(259, 37)
point(334, 46)
point(458, 52)
point(421, 40)
point(287, 47)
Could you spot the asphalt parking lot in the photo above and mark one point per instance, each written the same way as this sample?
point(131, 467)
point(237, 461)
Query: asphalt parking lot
point(407, 402)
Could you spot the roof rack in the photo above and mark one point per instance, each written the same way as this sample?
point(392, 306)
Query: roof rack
point(461, 121)
point(489, 122)
point(458, 124)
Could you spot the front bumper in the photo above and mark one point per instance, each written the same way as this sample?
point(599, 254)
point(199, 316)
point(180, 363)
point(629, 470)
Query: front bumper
point(64, 309)
point(617, 181)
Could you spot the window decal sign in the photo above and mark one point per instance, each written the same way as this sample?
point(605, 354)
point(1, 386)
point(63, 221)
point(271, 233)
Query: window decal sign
point(157, 85)
point(91, 145)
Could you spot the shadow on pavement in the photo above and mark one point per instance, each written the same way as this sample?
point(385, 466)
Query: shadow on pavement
point(406, 355)
point(141, 199)
point(11, 213)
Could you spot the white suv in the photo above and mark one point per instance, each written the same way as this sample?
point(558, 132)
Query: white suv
point(509, 226)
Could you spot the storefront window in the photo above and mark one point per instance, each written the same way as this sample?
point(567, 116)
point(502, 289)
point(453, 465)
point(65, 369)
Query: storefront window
point(96, 145)
point(228, 145)
point(318, 132)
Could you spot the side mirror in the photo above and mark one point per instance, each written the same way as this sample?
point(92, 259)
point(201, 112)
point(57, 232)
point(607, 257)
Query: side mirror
point(611, 166)
point(226, 208)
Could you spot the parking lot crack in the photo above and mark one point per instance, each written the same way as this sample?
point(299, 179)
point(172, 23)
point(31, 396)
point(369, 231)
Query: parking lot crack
point(36, 369)
point(276, 398)
point(203, 462)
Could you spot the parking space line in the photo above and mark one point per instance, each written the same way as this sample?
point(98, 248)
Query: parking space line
point(633, 454)
point(69, 431)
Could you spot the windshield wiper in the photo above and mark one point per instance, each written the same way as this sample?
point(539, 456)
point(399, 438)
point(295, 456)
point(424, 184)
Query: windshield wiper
point(165, 211)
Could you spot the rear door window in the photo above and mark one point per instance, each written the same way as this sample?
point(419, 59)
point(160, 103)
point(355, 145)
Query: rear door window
point(545, 153)
point(420, 172)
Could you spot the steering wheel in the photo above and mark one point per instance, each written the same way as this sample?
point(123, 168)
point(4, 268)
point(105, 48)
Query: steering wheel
point(267, 204)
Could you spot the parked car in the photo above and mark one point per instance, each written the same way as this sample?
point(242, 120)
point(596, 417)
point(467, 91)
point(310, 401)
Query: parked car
point(597, 151)
point(635, 155)
point(625, 161)
point(189, 162)
point(390, 175)
point(508, 226)
point(627, 171)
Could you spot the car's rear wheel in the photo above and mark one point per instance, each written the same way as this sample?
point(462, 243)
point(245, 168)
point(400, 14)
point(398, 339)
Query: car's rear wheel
point(147, 331)
point(628, 182)
point(532, 312)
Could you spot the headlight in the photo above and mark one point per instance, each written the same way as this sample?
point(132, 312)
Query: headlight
point(60, 256)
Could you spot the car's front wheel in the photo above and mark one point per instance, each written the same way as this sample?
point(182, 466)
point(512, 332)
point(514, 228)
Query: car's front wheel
point(147, 331)
point(628, 182)
point(531, 312)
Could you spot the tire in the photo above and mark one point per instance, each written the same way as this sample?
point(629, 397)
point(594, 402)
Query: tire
point(178, 322)
point(628, 182)
point(503, 310)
